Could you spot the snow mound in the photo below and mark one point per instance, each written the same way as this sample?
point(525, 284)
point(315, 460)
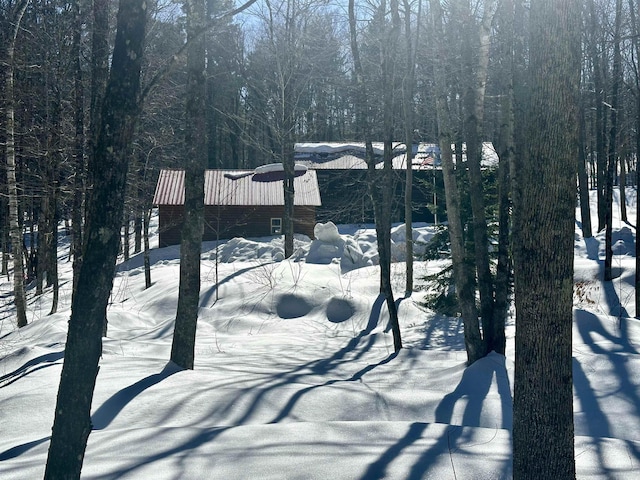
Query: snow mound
point(326, 232)
point(331, 247)
point(270, 249)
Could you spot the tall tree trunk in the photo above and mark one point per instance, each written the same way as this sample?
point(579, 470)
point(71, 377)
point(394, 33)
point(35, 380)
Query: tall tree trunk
point(15, 228)
point(598, 84)
point(286, 117)
point(384, 198)
point(5, 242)
point(147, 259)
point(612, 158)
point(636, 46)
point(52, 270)
point(379, 188)
point(622, 184)
point(126, 240)
point(49, 235)
point(408, 87)
point(543, 445)
point(583, 180)
point(463, 277)
point(139, 209)
point(477, 71)
point(78, 152)
point(184, 335)
point(99, 75)
point(72, 422)
point(287, 155)
point(506, 152)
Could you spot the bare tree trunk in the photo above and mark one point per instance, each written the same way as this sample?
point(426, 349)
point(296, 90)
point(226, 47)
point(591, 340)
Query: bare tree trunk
point(465, 290)
point(72, 423)
point(583, 180)
point(636, 46)
point(598, 83)
point(408, 87)
point(477, 71)
point(384, 198)
point(612, 159)
point(99, 75)
point(506, 152)
point(622, 184)
point(147, 260)
point(379, 191)
point(5, 245)
point(52, 271)
point(543, 444)
point(127, 233)
point(15, 228)
point(79, 161)
point(184, 336)
point(139, 209)
point(289, 193)
point(49, 235)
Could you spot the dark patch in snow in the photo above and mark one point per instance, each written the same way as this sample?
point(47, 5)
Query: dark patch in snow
point(339, 310)
point(292, 306)
point(623, 242)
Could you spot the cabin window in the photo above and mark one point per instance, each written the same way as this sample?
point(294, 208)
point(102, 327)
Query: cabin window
point(276, 226)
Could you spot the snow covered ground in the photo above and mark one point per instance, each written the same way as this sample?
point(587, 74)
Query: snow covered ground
point(296, 378)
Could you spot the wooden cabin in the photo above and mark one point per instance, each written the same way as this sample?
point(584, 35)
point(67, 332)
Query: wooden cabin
point(236, 205)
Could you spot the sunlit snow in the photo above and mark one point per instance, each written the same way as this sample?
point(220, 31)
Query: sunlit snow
point(295, 374)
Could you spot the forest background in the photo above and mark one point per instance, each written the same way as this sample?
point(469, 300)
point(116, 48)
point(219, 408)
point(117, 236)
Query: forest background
point(554, 85)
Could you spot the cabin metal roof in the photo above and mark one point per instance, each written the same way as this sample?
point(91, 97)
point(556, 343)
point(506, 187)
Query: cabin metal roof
point(338, 156)
point(236, 187)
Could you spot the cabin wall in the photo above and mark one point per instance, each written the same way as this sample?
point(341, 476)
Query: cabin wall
point(346, 200)
point(224, 222)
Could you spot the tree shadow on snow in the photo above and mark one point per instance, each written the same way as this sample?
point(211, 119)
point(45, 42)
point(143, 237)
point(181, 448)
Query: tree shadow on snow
point(18, 450)
point(590, 327)
point(325, 366)
point(442, 332)
point(597, 424)
point(473, 388)
point(617, 354)
point(256, 393)
point(612, 298)
point(207, 295)
point(33, 365)
point(110, 409)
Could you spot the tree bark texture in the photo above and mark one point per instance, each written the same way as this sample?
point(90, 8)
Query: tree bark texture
point(99, 77)
point(543, 398)
point(408, 88)
point(48, 237)
point(380, 192)
point(15, 227)
point(636, 46)
point(612, 157)
point(184, 335)
point(583, 180)
point(505, 145)
point(477, 67)
point(79, 167)
point(463, 276)
point(600, 120)
point(72, 423)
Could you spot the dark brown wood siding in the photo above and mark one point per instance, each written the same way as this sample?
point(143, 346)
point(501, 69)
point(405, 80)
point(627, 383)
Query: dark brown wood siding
point(232, 221)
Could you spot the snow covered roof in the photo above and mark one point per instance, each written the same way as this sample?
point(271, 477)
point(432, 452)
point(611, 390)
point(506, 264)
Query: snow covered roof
point(351, 156)
point(236, 187)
